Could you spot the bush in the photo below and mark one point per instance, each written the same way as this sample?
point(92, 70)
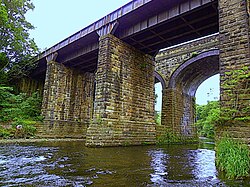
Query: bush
point(158, 118)
point(172, 138)
point(233, 157)
point(207, 117)
point(168, 138)
point(18, 109)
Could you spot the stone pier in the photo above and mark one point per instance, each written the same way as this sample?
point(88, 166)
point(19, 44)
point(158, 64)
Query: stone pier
point(124, 98)
point(67, 102)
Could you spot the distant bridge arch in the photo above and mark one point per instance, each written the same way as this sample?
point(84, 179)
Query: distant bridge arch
point(160, 78)
point(194, 71)
point(184, 68)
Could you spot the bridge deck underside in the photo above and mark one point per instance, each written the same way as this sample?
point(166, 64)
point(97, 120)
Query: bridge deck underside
point(148, 33)
point(182, 27)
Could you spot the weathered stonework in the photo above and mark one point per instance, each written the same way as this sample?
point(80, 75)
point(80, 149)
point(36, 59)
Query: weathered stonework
point(168, 60)
point(67, 102)
point(124, 98)
point(29, 86)
point(233, 43)
point(234, 54)
point(121, 111)
point(184, 67)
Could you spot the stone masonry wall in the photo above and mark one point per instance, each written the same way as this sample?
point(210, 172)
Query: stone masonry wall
point(168, 60)
point(67, 102)
point(234, 54)
point(29, 86)
point(124, 99)
point(178, 108)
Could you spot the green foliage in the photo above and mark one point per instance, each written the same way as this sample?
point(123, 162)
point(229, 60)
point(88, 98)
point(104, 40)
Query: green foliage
point(236, 86)
point(194, 54)
point(3, 78)
point(28, 128)
point(16, 52)
point(20, 106)
point(19, 109)
point(233, 157)
point(6, 132)
point(157, 118)
point(170, 137)
point(3, 61)
point(16, 47)
point(207, 116)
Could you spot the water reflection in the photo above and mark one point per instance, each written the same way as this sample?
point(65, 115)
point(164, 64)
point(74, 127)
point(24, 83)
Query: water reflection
point(159, 164)
point(72, 164)
point(183, 166)
point(204, 165)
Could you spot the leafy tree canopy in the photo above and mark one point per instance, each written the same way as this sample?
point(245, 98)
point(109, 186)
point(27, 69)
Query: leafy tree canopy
point(16, 46)
point(207, 116)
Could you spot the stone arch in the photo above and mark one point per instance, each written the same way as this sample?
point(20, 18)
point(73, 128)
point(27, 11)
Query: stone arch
point(160, 78)
point(194, 71)
point(179, 107)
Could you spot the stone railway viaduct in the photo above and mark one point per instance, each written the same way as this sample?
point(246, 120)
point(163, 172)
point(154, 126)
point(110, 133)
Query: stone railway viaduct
point(98, 84)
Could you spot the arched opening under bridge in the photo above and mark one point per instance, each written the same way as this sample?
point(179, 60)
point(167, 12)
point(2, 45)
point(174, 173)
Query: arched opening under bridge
point(159, 85)
point(181, 89)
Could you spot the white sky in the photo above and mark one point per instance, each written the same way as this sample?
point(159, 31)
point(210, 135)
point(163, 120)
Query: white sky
point(55, 20)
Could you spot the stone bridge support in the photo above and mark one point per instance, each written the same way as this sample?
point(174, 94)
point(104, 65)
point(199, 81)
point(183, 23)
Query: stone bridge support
point(234, 48)
point(67, 102)
point(184, 68)
point(124, 98)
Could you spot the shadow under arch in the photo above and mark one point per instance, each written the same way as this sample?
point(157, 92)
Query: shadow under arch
point(194, 71)
point(181, 89)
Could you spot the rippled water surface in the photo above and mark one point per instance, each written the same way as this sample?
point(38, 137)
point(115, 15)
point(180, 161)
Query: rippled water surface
point(72, 164)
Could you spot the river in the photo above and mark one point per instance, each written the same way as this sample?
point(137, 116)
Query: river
point(72, 164)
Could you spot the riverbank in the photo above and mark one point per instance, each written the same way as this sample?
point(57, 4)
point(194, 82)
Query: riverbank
point(33, 140)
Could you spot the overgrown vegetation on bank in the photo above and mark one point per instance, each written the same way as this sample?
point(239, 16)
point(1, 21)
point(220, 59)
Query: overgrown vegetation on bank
point(233, 157)
point(169, 137)
point(16, 51)
point(18, 110)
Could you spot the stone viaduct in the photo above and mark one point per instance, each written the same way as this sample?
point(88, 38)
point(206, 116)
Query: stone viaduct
point(98, 84)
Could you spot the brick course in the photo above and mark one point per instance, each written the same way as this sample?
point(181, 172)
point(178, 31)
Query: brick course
point(124, 96)
point(178, 104)
point(67, 101)
point(234, 54)
point(124, 99)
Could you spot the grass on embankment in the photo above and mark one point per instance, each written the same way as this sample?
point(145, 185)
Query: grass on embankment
point(233, 157)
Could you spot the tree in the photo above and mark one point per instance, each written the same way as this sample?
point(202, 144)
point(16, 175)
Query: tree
point(207, 116)
point(16, 47)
